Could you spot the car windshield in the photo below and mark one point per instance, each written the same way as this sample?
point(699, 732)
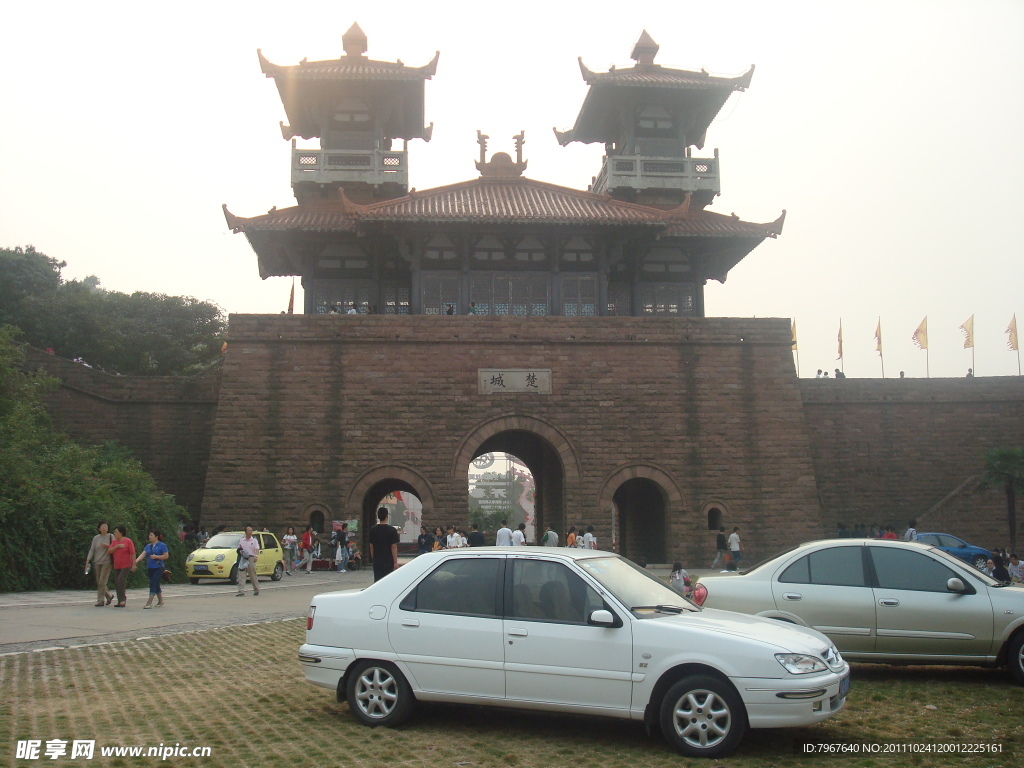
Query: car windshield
point(224, 541)
point(634, 586)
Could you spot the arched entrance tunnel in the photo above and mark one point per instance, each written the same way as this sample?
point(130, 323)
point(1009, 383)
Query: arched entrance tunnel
point(640, 504)
point(372, 499)
point(545, 465)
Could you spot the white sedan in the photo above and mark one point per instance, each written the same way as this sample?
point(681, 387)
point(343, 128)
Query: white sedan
point(572, 631)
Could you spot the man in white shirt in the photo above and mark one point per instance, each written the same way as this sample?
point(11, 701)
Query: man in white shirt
point(911, 534)
point(454, 541)
point(503, 538)
point(734, 545)
point(589, 539)
point(519, 536)
point(250, 550)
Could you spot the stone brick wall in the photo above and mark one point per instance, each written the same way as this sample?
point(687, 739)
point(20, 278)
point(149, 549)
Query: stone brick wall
point(166, 421)
point(890, 450)
point(316, 411)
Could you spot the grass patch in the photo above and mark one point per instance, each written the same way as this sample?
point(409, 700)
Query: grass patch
point(184, 689)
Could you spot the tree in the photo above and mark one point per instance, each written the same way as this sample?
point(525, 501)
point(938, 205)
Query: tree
point(138, 333)
point(1004, 468)
point(53, 492)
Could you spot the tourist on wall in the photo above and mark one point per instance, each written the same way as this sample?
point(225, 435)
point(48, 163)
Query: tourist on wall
point(122, 552)
point(99, 558)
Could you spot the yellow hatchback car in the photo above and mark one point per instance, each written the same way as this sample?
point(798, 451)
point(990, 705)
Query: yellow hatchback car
point(219, 558)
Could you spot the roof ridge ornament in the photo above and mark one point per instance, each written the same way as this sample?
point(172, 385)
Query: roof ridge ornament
point(501, 165)
point(354, 41)
point(645, 50)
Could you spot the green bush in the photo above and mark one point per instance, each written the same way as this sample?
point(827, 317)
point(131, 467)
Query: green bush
point(54, 492)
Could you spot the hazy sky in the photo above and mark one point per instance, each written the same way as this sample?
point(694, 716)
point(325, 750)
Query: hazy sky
point(890, 131)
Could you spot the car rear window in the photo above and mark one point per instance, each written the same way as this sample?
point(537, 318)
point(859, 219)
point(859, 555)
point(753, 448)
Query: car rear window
point(466, 586)
point(835, 566)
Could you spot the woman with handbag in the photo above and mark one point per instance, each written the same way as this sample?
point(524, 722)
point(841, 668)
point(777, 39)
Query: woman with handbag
point(155, 554)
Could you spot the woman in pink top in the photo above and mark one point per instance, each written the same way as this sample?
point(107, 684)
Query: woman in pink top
point(122, 551)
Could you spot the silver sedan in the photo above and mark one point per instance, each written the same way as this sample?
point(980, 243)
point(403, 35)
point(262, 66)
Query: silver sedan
point(883, 601)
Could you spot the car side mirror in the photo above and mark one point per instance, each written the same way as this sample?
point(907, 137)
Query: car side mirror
point(956, 585)
point(602, 618)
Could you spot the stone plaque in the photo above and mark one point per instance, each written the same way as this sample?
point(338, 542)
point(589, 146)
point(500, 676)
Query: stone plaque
point(517, 381)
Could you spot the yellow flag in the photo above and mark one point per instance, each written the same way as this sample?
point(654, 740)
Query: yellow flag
point(840, 341)
point(878, 337)
point(968, 329)
point(793, 333)
point(1011, 331)
point(920, 336)
point(291, 299)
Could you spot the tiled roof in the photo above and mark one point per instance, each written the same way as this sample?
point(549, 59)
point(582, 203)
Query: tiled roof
point(349, 68)
point(507, 200)
point(656, 75)
point(517, 201)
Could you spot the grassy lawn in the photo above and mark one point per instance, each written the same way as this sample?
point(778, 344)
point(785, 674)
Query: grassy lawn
point(188, 689)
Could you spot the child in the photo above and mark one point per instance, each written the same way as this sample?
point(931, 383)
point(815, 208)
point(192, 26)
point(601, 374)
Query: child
point(679, 580)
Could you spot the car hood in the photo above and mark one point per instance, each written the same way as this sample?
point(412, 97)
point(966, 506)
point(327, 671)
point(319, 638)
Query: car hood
point(786, 637)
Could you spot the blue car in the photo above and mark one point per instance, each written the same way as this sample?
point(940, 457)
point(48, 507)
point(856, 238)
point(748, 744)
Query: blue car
point(976, 556)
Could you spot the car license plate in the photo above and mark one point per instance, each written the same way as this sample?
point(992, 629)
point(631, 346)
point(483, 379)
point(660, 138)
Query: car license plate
point(200, 568)
point(844, 686)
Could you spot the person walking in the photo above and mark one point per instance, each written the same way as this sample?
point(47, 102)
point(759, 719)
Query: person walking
point(308, 542)
point(341, 551)
point(503, 538)
point(570, 536)
point(589, 539)
point(155, 554)
point(911, 534)
point(99, 557)
point(289, 547)
point(550, 538)
point(735, 547)
point(519, 536)
point(383, 546)
point(122, 552)
point(721, 546)
point(248, 552)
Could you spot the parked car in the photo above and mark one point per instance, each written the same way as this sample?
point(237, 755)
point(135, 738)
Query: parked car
point(884, 601)
point(219, 558)
point(568, 630)
point(976, 556)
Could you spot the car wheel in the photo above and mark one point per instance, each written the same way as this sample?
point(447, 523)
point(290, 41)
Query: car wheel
point(278, 573)
point(702, 716)
point(980, 562)
point(1015, 658)
point(233, 576)
point(378, 694)
point(193, 581)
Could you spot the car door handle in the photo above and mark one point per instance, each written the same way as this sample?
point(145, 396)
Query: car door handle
point(792, 595)
point(410, 622)
point(518, 632)
point(888, 601)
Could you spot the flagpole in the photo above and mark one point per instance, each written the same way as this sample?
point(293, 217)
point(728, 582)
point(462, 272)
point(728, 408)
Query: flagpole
point(927, 364)
point(796, 348)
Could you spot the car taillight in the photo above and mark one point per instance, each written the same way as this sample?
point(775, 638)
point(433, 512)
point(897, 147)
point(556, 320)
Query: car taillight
point(700, 594)
point(309, 619)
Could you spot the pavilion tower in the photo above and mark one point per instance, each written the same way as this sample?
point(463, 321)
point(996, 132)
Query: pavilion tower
point(357, 108)
point(650, 118)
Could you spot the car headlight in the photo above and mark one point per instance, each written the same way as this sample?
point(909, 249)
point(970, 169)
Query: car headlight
point(219, 558)
point(190, 556)
point(801, 663)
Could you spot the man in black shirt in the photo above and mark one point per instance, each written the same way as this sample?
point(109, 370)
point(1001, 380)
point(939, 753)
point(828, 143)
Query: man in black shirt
point(721, 546)
point(383, 546)
point(475, 538)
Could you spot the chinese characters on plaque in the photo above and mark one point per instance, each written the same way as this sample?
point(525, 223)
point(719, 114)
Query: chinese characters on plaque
point(516, 381)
